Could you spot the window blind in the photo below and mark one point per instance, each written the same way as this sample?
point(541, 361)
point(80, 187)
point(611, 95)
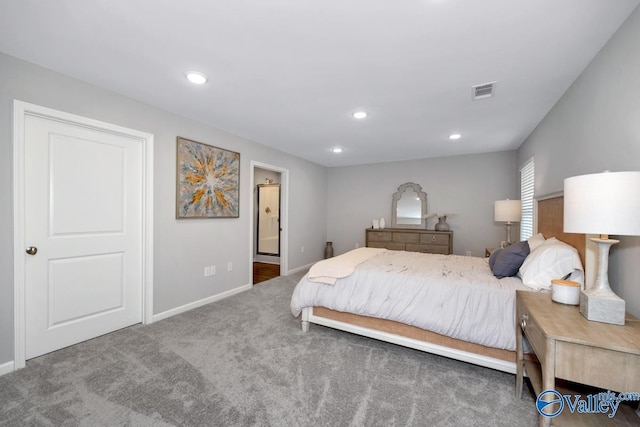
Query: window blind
point(527, 180)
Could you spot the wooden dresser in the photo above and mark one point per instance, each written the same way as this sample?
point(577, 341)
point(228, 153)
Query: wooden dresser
point(412, 240)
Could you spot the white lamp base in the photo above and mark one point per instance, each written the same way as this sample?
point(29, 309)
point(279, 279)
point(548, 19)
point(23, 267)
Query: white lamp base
point(599, 303)
point(508, 241)
point(607, 308)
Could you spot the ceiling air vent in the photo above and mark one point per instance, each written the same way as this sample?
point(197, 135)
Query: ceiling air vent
point(482, 91)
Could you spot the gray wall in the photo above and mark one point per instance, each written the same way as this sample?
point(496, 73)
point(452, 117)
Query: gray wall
point(182, 248)
point(594, 127)
point(465, 185)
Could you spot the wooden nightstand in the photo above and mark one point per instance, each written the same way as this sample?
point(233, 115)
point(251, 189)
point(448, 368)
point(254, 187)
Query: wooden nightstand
point(488, 252)
point(570, 347)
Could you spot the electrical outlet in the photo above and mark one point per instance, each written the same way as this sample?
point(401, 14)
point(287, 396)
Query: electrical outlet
point(301, 249)
point(229, 266)
point(207, 271)
point(213, 270)
point(468, 253)
point(357, 245)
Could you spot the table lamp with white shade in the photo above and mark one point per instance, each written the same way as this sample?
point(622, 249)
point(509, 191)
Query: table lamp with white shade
point(603, 203)
point(507, 211)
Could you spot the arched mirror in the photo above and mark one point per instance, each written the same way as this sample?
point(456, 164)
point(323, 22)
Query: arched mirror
point(409, 207)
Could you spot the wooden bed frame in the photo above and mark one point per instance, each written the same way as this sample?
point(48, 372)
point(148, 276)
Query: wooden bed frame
point(550, 222)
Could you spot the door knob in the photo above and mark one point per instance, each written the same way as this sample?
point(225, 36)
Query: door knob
point(32, 250)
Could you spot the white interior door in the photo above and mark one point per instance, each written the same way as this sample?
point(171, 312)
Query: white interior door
point(83, 201)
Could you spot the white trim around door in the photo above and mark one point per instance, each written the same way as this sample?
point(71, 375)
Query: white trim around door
point(20, 111)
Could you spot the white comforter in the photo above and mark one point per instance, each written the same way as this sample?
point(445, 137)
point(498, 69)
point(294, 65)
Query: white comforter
point(452, 295)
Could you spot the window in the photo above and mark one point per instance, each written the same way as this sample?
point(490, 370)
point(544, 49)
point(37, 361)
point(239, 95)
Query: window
point(527, 175)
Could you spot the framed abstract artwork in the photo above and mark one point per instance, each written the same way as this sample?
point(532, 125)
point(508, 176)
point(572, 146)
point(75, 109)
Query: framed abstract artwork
point(208, 181)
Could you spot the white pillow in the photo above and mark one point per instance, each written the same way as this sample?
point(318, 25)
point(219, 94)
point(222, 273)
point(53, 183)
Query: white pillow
point(535, 241)
point(553, 259)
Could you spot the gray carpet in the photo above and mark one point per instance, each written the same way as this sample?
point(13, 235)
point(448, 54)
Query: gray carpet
point(244, 361)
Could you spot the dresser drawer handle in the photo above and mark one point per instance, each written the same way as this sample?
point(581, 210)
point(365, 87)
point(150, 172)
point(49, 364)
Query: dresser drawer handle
point(434, 238)
point(523, 321)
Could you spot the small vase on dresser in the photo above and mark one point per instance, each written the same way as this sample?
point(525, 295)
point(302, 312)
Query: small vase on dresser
point(442, 225)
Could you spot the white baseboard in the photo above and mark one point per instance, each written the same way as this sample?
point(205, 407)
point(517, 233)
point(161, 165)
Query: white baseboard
point(6, 368)
point(199, 303)
point(295, 270)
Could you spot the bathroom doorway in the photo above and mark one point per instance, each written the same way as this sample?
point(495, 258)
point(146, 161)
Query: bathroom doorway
point(268, 247)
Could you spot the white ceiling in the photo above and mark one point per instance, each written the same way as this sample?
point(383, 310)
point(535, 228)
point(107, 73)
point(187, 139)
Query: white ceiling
point(289, 73)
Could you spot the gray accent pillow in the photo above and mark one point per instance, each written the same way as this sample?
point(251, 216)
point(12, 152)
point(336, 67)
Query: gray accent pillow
point(507, 261)
point(493, 256)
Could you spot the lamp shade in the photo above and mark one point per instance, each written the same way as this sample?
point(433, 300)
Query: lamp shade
point(603, 203)
point(507, 210)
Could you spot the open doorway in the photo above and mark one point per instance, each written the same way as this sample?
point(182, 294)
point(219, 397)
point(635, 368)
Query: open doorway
point(268, 225)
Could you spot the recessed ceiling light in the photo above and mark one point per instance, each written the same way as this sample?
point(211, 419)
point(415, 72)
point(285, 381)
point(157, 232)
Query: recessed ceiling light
point(360, 114)
point(196, 77)
point(337, 150)
point(455, 136)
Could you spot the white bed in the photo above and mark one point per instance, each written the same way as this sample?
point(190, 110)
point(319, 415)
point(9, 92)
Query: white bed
point(444, 304)
point(455, 296)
